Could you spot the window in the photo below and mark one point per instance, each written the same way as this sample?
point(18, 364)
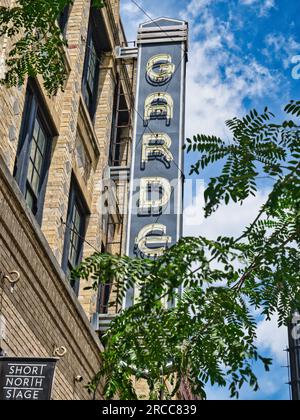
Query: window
point(36, 158)
point(91, 74)
point(34, 154)
point(104, 292)
point(63, 19)
point(75, 232)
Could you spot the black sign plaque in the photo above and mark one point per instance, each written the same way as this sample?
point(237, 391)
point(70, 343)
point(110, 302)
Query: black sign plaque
point(26, 378)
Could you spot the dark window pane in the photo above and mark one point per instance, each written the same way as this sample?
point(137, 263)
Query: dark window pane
point(75, 246)
point(91, 74)
point(30, 199)
point(36, 161)
point(104, 295)
point(33, 157)
point(74, 234)
point(63, 19)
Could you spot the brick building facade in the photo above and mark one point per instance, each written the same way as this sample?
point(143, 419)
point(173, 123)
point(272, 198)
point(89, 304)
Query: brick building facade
point(54, 155)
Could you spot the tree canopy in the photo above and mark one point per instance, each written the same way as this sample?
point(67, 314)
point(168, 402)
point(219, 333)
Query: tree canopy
point(209, 336)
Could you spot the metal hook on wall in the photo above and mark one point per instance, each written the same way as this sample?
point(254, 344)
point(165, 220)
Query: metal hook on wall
point(12, 277)
point(60, 351)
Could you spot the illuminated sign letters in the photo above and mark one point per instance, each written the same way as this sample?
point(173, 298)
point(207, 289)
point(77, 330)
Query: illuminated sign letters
point(161, 186)
point(159, 105)
point(149, 244)
point(160, 68)
point(156, 145)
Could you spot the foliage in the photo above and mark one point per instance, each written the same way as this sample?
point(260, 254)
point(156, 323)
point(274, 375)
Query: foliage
point(209, 335)
point(37, 42)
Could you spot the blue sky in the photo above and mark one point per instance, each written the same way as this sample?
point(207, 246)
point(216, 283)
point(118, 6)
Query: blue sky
point(241, 55)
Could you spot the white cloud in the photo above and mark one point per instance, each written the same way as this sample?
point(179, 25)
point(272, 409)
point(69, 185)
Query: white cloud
point(281, 47)
point(194, 203)
point(132, 16)
point(263, 6)
point(271, 342)
point(219, 77)
point(267, 6)
point(195, 6)
point(213, 97)
point(273, 339)
point(227, 220)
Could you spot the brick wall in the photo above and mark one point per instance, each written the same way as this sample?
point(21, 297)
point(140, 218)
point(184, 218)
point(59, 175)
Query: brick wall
point(72, 122)
point(43, 312)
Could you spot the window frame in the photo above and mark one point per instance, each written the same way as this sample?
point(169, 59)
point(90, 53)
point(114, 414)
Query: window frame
point(76, 198)
point(63, 19)
point(33, 110)
point(91, 102)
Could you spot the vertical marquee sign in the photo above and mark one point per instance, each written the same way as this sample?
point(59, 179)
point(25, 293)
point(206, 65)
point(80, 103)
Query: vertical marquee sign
point(155, 209)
